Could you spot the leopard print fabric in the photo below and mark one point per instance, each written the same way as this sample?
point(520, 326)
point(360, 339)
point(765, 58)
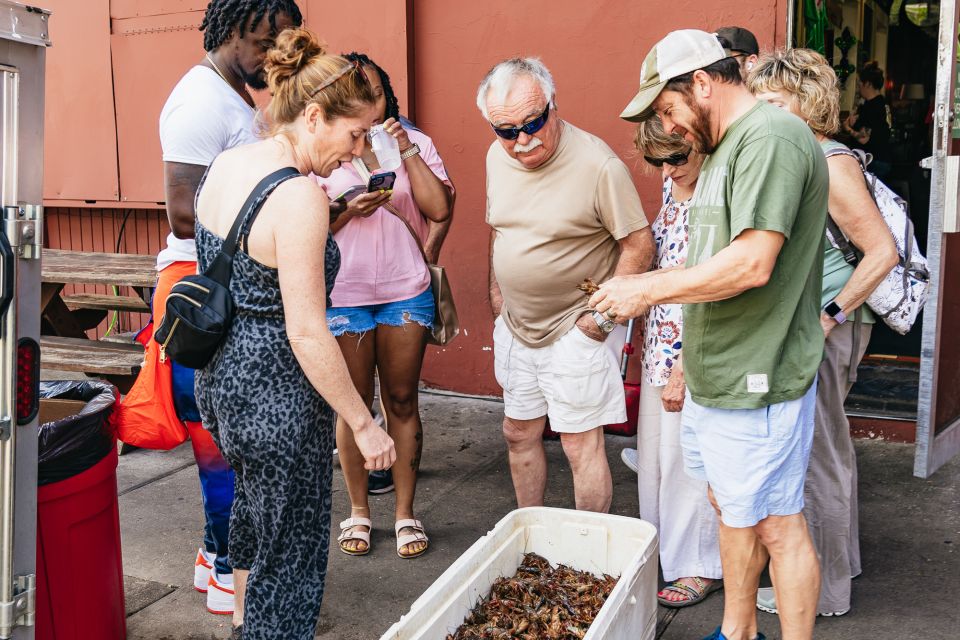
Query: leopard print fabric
point(278, 434)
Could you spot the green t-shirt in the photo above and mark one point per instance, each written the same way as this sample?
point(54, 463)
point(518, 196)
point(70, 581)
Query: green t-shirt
point(836, 270)
point(763, 346)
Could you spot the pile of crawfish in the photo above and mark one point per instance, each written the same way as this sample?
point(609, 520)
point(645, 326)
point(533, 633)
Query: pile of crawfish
point(538, 603)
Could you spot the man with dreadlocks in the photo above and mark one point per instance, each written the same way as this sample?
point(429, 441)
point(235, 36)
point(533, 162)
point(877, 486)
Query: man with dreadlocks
point(210, 110)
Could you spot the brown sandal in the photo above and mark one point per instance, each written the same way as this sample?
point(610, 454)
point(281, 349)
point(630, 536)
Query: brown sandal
point(418, 535)
point(349, 532)
point(694, 595)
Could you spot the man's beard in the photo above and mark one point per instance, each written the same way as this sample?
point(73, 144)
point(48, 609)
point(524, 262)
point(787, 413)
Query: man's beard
point(256, 81)
point(700, 127)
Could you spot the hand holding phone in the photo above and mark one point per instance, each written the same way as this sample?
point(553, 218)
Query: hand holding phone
point(350, 193)
point(381, 181)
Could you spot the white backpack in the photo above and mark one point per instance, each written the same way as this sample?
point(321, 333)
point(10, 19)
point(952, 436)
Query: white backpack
point(901, 294)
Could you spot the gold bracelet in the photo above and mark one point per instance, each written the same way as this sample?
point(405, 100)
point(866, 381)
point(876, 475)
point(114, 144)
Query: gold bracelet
point(409, 153)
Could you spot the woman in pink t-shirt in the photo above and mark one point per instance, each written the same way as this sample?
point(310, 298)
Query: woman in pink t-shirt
point(383, 307)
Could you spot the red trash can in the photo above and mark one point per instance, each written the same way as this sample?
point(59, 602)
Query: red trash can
point(79, 563)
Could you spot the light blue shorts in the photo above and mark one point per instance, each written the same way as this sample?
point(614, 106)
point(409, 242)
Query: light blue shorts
point(419, 309)
point(755, 460)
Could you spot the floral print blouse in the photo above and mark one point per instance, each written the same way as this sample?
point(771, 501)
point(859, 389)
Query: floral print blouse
point(662, 342)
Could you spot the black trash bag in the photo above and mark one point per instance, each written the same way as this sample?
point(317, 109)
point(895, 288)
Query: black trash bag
point(76, 443)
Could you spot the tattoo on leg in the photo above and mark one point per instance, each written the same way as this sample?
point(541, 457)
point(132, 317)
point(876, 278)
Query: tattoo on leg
point(415, 463)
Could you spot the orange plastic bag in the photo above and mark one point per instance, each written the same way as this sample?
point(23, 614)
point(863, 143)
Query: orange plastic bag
point(146, 417)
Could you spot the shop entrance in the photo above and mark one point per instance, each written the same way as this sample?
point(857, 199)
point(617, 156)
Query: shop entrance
point(914, 44)
point(900, 37)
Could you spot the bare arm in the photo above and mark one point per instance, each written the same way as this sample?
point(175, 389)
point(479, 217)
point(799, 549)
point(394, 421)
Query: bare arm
point(746, 263)
point(433, 197)
point(636, 253)
point(437, 233)
point(855, 212)
point(297, 237)
point(496, 297)
point(180, 184)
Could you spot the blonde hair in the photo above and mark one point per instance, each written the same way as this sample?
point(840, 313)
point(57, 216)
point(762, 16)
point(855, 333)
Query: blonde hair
point(651, 140)
point(805, 75)
point(300, 72)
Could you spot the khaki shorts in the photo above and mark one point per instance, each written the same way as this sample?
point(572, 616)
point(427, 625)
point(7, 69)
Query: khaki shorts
point(575, 380)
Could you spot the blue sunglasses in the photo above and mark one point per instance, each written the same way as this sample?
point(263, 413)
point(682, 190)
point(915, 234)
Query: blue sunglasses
point(512, 133)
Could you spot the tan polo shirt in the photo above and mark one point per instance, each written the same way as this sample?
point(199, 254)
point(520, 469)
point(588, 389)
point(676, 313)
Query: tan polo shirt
point(556, 225)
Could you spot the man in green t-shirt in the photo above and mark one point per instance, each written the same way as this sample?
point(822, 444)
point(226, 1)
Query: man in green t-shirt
point(751, 294)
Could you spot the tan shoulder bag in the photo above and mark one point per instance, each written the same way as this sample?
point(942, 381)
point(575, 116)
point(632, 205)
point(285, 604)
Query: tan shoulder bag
point(446, 322)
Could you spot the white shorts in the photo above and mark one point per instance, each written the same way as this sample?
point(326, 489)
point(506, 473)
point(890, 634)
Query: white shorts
point(755, 460)
point(575, 380)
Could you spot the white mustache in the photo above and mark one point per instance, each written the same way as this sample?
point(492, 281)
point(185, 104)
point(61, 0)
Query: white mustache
point(527, 148)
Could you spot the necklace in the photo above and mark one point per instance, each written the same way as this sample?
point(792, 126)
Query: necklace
point(244, 95)
point(217, 69)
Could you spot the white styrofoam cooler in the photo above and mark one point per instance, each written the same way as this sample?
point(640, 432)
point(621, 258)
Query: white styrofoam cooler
point(625, 548)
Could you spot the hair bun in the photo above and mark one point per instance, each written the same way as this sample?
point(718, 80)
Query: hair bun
point(294, 49)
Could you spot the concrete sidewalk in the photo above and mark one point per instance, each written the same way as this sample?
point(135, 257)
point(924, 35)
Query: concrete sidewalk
point(910, 531)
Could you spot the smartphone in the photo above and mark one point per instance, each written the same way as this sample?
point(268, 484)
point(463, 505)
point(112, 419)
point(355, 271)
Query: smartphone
point(351, 193)
point(381, 181)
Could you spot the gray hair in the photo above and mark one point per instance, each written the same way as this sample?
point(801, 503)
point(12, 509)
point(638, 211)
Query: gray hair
point(502, 76)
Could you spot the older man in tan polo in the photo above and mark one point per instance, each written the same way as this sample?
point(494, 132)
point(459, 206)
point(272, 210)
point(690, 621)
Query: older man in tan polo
point(563, 208)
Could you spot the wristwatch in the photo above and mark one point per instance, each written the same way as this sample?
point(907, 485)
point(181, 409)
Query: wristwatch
point(834, 311)
point(603, 322)
point(411, 151)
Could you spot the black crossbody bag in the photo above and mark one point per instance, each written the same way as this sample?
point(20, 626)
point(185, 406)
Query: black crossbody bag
point(199, 308)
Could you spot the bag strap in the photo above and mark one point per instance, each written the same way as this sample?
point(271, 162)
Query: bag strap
point(365, 176)
point(250, 209)
point(222, 266)
point(843, 244)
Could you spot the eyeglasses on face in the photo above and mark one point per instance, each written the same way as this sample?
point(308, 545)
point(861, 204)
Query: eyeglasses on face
point(674, 159)
point(530, 128)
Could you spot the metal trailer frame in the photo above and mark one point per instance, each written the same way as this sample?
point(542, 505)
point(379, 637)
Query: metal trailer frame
point(24, 36)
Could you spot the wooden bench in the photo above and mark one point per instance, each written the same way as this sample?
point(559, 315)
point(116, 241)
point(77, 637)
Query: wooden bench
point(115, 361)
point(99, 301)
point(66, 317)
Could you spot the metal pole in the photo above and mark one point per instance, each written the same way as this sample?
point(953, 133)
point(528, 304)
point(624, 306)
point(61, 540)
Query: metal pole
point(8, 357)
point(925, 462)
point(791, 23)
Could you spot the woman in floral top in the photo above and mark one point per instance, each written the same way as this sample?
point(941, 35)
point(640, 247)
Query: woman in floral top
point(670, 499)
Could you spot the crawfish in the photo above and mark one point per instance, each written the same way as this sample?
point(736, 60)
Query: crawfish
point(588, 286)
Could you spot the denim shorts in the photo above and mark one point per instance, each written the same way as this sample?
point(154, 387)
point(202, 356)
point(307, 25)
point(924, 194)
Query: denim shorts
point(755, 460)
point(417, 309)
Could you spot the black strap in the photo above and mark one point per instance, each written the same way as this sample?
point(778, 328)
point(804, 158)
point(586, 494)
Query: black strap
point(222, 266)
point(248, 212)
point(843, 245)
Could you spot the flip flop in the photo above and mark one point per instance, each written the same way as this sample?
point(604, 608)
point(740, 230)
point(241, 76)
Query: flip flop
point(693, 595)
point(349, 532)
point(418, 535)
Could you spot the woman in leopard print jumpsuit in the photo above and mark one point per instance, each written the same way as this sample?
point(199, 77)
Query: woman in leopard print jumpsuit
point(269, 394)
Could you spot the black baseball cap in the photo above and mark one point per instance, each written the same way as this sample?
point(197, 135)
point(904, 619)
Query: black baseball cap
point(741, 40)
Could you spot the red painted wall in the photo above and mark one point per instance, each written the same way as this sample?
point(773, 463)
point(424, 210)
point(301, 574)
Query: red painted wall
point(594, 51)
point(436, 52)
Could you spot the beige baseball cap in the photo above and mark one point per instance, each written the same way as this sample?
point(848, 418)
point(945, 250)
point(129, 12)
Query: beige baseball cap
point(678, 53)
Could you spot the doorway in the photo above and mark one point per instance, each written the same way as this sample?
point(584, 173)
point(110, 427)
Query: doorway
point(901, 38)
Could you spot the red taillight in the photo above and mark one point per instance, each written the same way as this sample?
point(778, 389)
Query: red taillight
point(28, 380)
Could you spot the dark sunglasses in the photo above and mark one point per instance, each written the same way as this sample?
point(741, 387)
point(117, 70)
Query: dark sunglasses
point(512, 133)
point(675, 160)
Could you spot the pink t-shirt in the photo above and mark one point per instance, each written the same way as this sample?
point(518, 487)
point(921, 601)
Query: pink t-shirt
point(379, 259)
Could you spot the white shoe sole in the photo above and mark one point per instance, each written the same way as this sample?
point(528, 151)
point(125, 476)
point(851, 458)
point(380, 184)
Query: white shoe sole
point(219, 602)
point(201, 576)
point(831, 614)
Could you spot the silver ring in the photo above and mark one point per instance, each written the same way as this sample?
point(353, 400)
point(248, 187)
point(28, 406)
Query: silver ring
point(611, 316)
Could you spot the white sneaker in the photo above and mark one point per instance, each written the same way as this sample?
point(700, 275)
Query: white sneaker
point(202, 567)
point(630, 458)
point(767, 601)
point(220, 594)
